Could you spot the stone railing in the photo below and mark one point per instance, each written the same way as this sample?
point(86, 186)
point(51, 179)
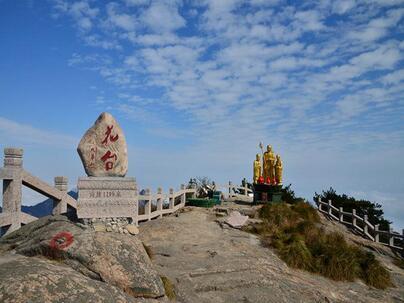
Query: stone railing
point(14, 177)
point(361, 224)
point(175, 201)
point(231, 192)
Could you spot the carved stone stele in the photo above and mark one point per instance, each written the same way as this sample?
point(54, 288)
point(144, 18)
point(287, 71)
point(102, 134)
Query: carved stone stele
point(103, 149)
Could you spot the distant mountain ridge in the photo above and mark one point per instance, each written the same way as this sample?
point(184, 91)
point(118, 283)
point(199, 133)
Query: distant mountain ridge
point(43, 208)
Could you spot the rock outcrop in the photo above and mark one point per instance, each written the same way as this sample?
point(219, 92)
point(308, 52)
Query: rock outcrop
point(56, 260)
point(103, 149)
point(211, 262)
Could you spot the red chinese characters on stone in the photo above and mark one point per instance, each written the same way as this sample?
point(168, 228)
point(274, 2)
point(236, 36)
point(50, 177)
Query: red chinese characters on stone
point(93, 154)
point(109, 159)
point(109, 136)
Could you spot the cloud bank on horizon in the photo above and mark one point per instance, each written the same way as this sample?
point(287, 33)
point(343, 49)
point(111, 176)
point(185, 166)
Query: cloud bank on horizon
point(322, 81)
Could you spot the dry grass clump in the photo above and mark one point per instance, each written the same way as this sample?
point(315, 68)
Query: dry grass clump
point(294, 232)
point(399, 262)
point(169, 288)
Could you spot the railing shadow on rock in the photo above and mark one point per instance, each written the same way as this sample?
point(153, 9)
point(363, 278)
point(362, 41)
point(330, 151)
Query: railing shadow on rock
point(353, 220)
point(14, 177)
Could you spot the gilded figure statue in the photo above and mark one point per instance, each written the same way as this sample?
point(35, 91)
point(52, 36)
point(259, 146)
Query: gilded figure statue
point(270, 166)
point(278, 169)
point(265, 163)
point(257, 168)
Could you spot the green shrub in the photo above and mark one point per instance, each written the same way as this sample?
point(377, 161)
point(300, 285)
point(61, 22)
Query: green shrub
point(294, 232)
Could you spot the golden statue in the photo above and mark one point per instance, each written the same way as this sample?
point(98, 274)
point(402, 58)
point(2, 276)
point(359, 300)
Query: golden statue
point(257, 168)
point(265, 163)
point(269, 166)
point(278, 169)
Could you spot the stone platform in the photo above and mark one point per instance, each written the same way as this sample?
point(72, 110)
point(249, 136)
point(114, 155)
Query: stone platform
point(107, 197)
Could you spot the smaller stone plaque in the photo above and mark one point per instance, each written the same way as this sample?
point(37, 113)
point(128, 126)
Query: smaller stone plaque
point(106, 197)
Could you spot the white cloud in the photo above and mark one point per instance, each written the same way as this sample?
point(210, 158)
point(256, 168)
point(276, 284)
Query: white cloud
point(163, 18)
point(343, 6)
point(80, 11)
point(12, 131)
point(394, 77)
point(378, 28)
point(122, 20)
point(136, 2)
point(310, 20)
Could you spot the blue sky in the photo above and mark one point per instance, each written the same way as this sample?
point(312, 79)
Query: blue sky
point(196, 85)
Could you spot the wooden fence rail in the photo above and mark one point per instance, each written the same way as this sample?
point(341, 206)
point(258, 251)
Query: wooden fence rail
point(362, 224)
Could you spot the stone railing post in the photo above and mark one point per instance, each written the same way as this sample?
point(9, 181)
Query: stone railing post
point(160, 202)
point(354, 218)
point(341, 215)
point(391, 235)
point(230, 188)
point(377, 233)
point(171, 199)
point(12, 188)
point(365, 226)
point(329, 207)
point(60, 206)
point(183, 194)
point(135, 218)
point(147, 206)
point(246, 190)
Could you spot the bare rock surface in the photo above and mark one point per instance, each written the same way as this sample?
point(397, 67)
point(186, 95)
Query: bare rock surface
point(24, 279)
point(209, 262)
point(103, 149)
point(66, 254)
point(236, 220)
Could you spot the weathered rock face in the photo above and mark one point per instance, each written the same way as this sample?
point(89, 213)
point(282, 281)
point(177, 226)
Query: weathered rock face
point(24, 279)
point(88, 263)
point(103, 149)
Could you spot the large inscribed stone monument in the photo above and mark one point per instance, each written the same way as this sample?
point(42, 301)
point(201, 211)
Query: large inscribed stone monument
point(103, 149)
point(106, 192)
